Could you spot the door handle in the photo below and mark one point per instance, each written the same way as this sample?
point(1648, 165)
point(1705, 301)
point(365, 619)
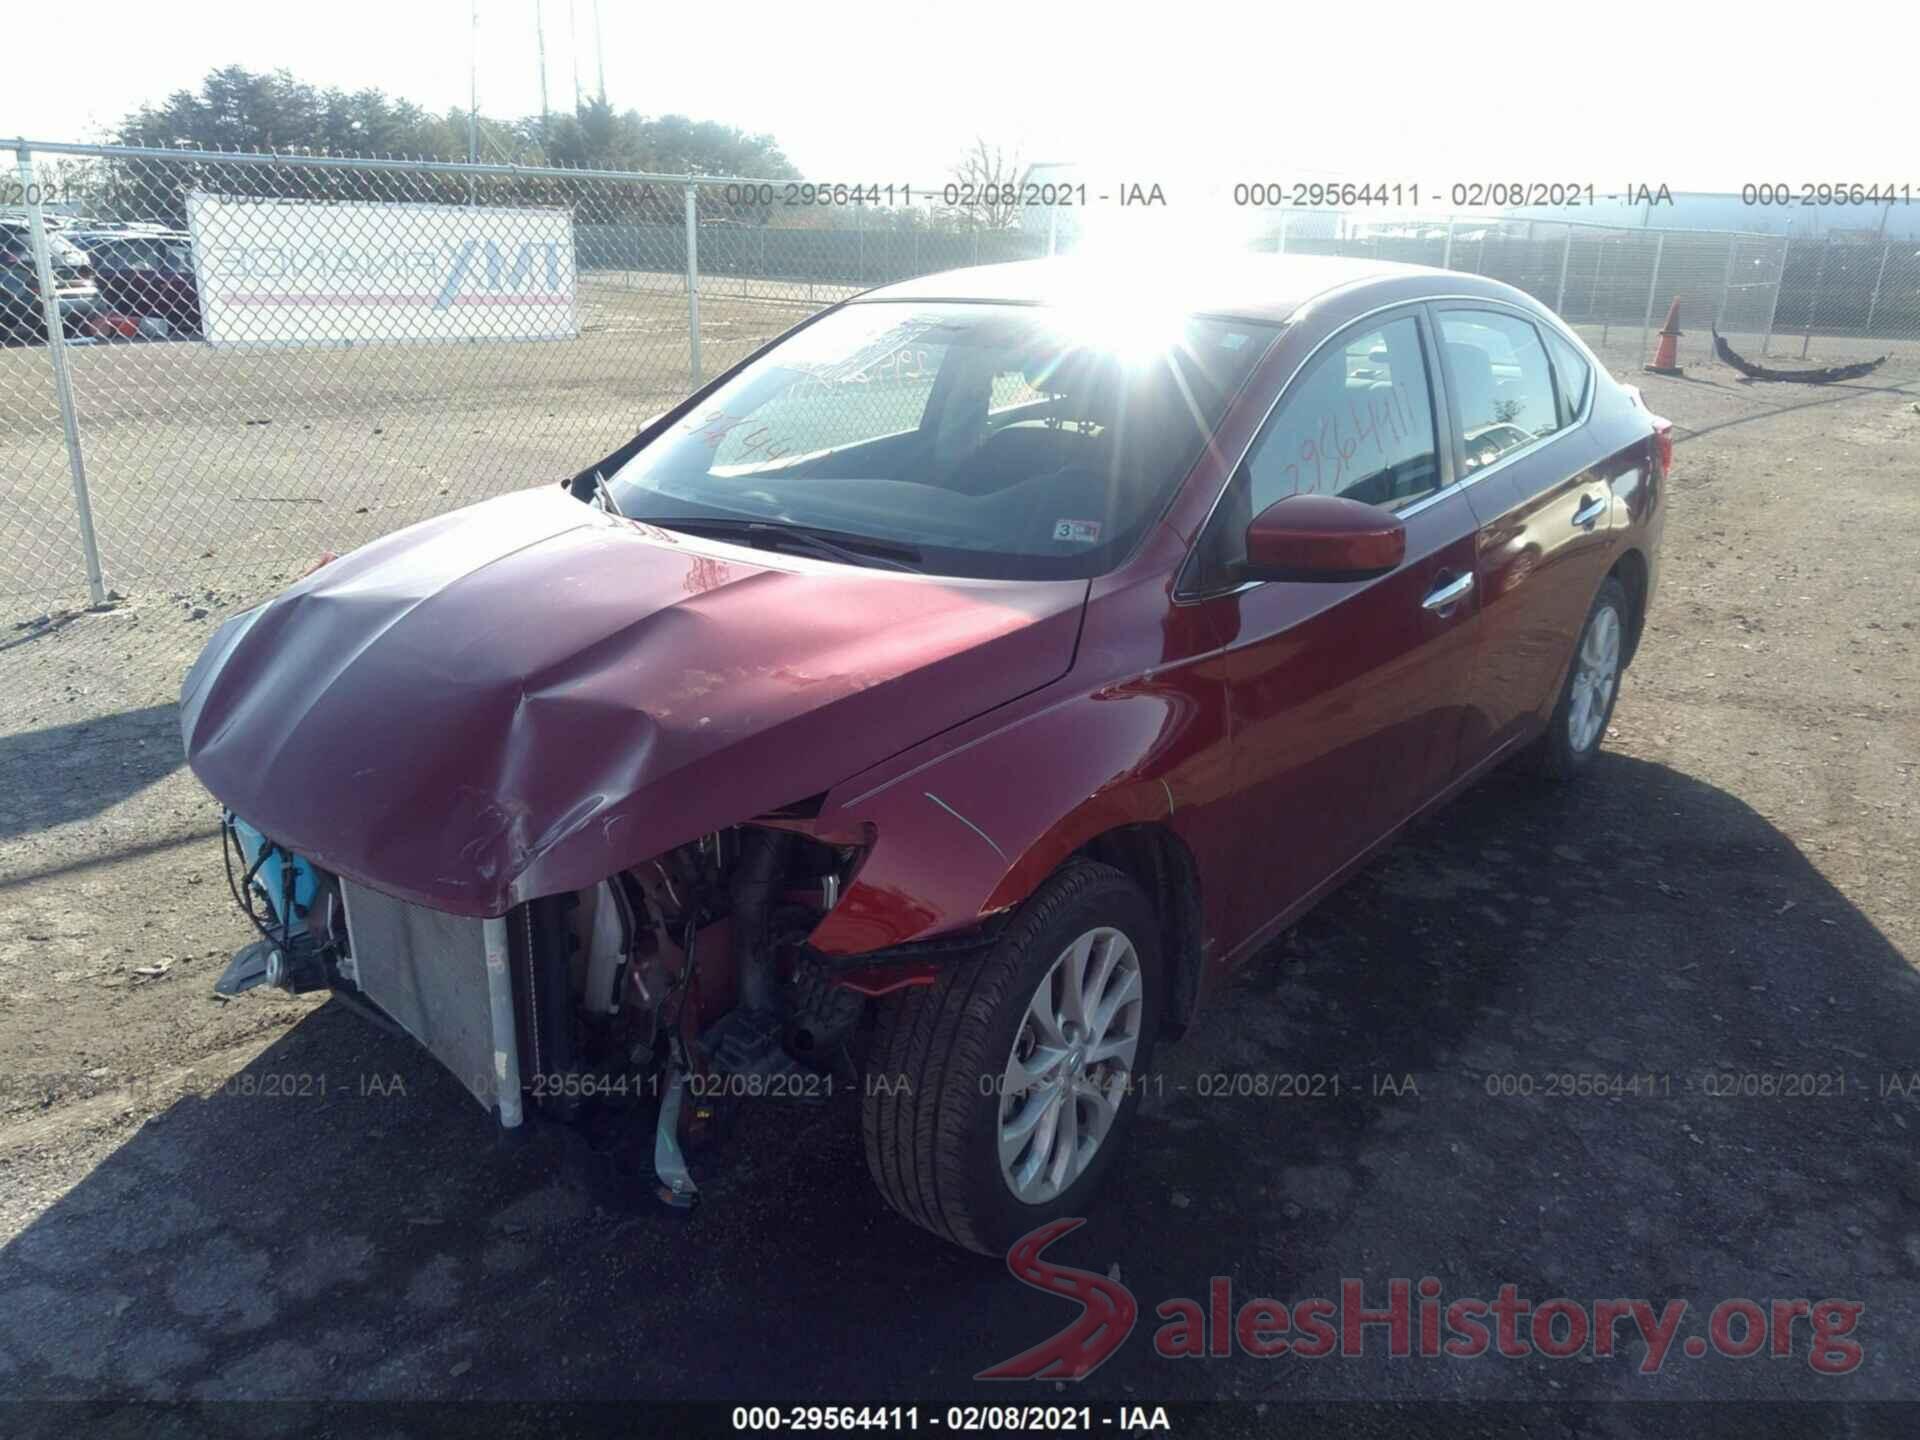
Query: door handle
point(1591, 509)
point(1448, 594)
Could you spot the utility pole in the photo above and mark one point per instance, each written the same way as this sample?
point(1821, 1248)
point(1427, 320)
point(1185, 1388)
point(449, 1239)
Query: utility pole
point(573, 35)
point(473, 84)
point(540, 45)
point(600, 51)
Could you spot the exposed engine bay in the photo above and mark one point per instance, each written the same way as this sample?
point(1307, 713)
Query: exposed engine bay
point(646, 986)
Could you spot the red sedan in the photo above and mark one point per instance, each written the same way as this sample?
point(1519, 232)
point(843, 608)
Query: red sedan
point(958, 687)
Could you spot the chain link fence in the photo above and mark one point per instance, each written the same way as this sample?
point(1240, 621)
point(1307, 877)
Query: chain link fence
point(256, 358)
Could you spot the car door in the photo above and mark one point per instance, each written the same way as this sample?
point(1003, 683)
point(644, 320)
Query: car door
point(1345, 697)
point(1519, 405)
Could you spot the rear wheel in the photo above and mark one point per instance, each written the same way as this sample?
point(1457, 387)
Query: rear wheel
point(1592, 686)
point(1000, 1097)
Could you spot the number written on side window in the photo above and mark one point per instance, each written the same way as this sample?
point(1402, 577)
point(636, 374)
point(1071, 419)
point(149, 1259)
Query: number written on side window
point(1357, 422)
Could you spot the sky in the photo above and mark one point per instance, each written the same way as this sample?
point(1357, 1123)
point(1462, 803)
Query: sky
point(1192, 97)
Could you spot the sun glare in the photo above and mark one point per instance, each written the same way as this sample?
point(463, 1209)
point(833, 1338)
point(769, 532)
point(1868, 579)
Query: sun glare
point(1128, 287)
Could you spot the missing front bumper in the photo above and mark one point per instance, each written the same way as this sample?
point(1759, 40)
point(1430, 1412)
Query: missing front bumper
point(447, 981)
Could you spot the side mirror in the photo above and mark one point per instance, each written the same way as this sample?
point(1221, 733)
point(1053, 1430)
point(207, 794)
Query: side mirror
point(1323, 537)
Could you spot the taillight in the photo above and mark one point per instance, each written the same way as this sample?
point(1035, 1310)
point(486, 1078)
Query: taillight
point(1663, 446)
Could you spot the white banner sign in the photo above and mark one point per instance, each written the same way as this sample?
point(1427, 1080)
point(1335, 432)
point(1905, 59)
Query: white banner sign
point(289, 272)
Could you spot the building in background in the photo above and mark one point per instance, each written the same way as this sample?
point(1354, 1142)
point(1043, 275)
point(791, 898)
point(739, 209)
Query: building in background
point(1698, 210)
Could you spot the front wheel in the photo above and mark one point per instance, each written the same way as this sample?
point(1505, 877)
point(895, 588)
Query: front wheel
point(1593, 684)
point(1000, 1096)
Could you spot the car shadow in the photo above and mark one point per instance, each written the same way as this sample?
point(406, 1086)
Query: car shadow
point(1373, 1097)
point(62, 773)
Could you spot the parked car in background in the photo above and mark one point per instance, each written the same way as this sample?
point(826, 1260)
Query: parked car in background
point(145, 274)
point(985, 668)
point(22, 316)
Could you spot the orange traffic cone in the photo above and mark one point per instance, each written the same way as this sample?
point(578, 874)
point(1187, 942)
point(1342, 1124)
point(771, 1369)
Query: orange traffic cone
point(1666, 356)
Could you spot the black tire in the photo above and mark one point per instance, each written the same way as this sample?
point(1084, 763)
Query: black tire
point(931, 1104)
point(1555, 754)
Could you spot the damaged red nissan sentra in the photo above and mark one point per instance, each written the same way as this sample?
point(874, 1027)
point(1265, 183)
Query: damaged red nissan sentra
point(965, 682)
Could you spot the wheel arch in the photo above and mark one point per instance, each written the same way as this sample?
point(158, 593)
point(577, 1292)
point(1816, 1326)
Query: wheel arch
point(1632, 571)
point(1159, 862)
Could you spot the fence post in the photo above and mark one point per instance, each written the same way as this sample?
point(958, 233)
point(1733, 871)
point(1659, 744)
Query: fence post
point(1606, 311)
point(1813, 306)
point(1653, 288)
point(1726, 286)
point(1566, 254)
point(62, 379)
point(1446, 255)
point(1886, 247)
point(693, 281)
point(1779, 284)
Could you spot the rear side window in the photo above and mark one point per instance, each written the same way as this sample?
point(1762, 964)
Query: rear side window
point(1502, 384)
point(1572, 374)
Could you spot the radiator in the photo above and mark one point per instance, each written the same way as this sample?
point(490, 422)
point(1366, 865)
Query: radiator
point(432, 973)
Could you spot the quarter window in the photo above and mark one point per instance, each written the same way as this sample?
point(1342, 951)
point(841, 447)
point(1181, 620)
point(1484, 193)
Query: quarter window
point(1573, 374)
point(1502, 384)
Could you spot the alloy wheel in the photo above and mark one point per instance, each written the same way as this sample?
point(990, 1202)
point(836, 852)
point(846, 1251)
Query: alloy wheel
point(1596, 672)
point(1070, 1066)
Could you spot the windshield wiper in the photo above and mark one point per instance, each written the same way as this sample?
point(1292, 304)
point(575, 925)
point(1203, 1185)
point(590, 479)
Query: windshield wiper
point(775, 534)
point(605, 495)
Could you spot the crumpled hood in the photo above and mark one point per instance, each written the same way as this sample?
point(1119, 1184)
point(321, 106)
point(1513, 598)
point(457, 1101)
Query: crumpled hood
point(527, 695)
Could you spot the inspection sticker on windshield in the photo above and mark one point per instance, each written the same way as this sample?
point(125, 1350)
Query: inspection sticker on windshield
point(1078, 532)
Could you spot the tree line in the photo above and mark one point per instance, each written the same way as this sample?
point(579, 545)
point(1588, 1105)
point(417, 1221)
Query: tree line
point(236, 109)
point(240, 109)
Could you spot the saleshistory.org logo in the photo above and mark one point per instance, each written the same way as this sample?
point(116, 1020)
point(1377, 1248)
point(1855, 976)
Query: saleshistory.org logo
point(1107, 1312)
point(1414, 1320)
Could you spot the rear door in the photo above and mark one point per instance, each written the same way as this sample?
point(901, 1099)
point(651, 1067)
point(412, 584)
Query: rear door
point(1520, 396)
point(1346, 696)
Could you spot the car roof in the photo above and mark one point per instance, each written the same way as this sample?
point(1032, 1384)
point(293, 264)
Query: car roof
point(1248, 285)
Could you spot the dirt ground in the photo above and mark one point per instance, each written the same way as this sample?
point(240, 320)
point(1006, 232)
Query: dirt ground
point(270, 1199)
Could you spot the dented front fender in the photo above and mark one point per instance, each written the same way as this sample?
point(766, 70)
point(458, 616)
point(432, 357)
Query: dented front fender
point(970, 826)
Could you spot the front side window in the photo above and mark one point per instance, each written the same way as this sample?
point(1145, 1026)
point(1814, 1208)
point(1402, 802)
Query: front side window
point(1358, 422)
point(984, 440)
point(1502, 385)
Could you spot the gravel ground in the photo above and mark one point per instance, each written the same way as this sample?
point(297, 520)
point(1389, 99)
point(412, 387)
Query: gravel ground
point(1729, 894)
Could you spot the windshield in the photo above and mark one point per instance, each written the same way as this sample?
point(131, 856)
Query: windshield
point(989, 440)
